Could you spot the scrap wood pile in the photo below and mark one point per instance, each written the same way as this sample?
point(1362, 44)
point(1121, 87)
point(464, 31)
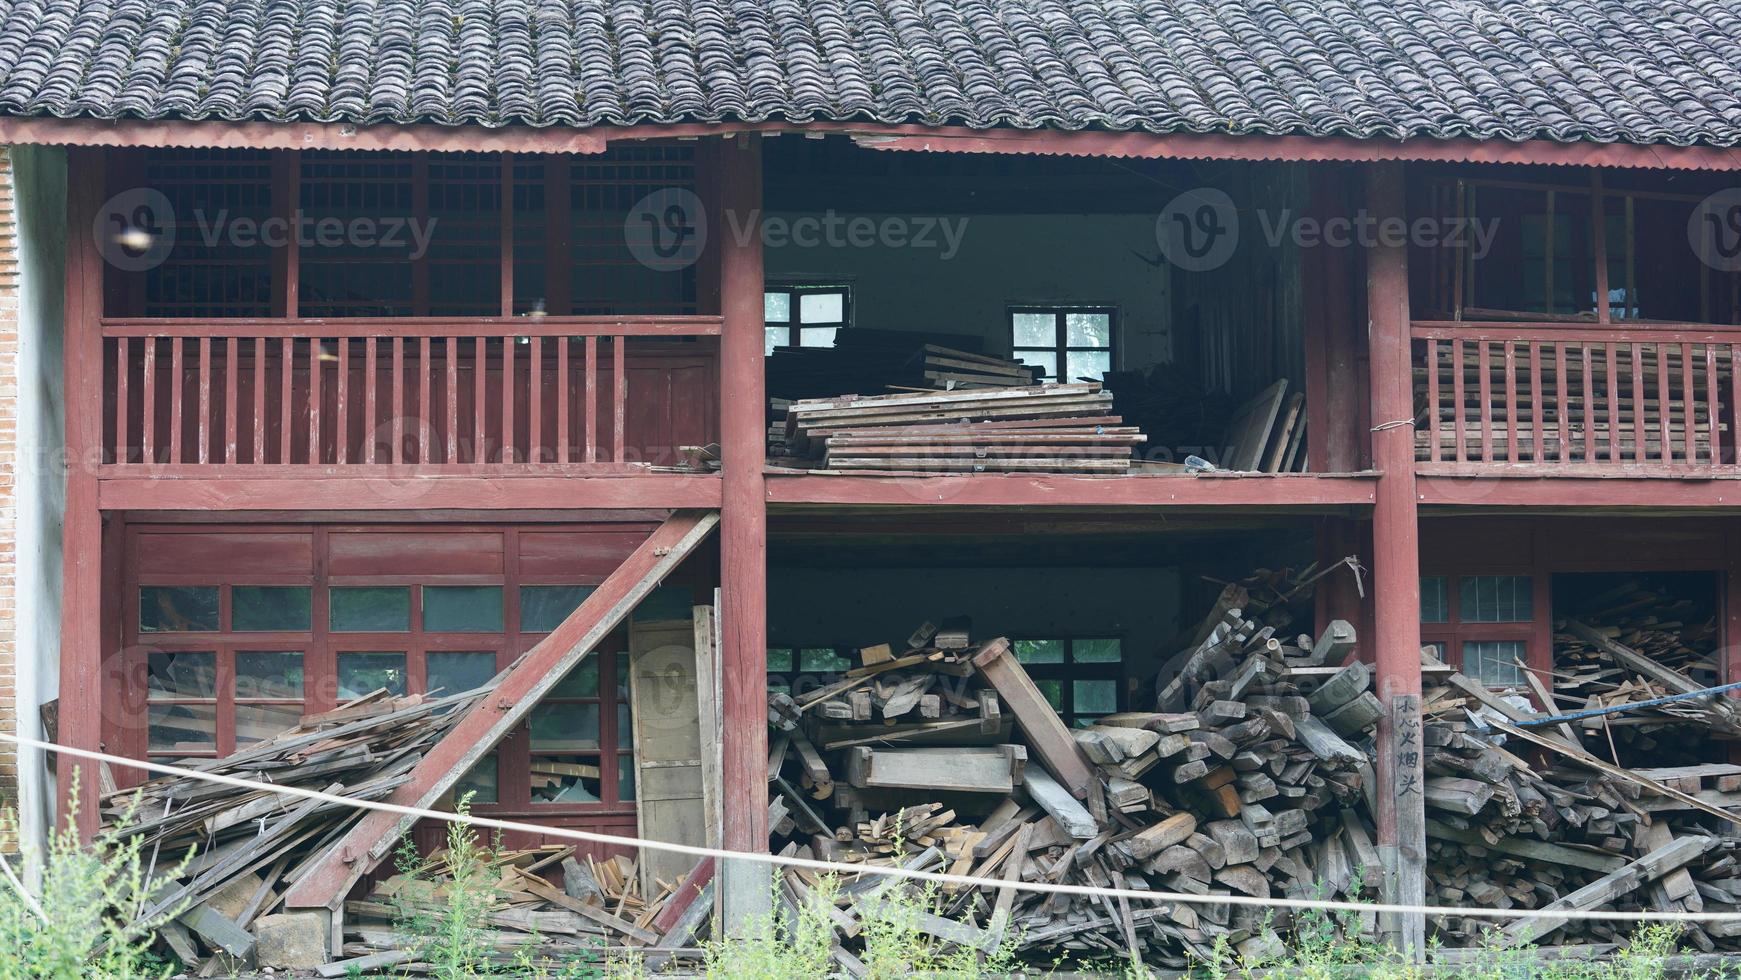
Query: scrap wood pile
point(596, 910)
point(946, 756)
point(869, 361)
point(1061, 428)
point(232, 853)
point(1521, 815)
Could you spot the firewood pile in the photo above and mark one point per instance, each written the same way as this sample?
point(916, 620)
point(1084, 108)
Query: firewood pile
point(231, 853)
point(1521, 815)
point(1059, 428)
point(596, 911)
point(945, 756)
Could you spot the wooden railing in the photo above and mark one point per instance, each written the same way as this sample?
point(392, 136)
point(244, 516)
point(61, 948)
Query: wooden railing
point(1570, 395)
point(369, 392)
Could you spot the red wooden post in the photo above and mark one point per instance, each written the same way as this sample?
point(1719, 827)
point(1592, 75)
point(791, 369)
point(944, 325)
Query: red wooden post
point(1396, 554)
point(743, 520)
point(81, 638)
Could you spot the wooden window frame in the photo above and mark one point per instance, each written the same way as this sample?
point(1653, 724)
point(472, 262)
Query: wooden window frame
point(1071, 670)
point(1061, 348)
point(1453, 633)
point(793, 290)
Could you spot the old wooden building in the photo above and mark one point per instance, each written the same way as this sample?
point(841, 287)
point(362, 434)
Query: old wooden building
point(395, 346)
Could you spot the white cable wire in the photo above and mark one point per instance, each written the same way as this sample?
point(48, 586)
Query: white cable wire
point(831, 867)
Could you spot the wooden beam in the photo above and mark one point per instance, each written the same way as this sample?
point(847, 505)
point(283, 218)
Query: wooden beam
point(516, 693)
point(81, 637)
point(1396, 574)
point(1609, 887)
point(284, 493)
point(1304, 492)
point(743, 530)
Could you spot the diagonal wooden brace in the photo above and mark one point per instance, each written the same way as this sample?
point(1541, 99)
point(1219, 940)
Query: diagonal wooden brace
point(519, 689)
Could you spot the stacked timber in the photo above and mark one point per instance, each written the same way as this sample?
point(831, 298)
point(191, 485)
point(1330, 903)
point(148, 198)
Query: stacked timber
point(867, 361)
point(946, 756)
point(547, 907)
point(227, 855)
point(1035, 428)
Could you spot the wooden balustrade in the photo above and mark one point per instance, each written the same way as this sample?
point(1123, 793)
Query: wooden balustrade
point(1559, 395)
point(371, 392)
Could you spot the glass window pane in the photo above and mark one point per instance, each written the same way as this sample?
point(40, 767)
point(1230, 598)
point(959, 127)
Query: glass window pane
point(1491, 662)
point(544, 607)
point(1045, 360)
point(361, 673)
point(1088, 330)
point(667, 603)
point(462, 608)
point(780, 660)
point(817, 336)
point(773, 337)
point(183, 727)
point(1435, 606)
point(823, 660)
point(481, 782)
point(581, 682)
point(776, 307)
point(452, 672)
point(565, 727)
point(1040, 651)
point(258, 722)
point(565, 779)
point(1495, 599)
point(181, 675)
point(626, 778)
point(178, 609)
point(262, 608)
point(371, 610)
point(1103, 651)
point(1095, 697)
point(821, 308)
point(274, 674)
point(1053, 689)
point(623, 675)
point(779, 685)
point(1034, 329)
point(1092, 365)
point(625, 726)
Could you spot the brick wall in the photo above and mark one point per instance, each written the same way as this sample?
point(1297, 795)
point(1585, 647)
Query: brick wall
point(9, 460)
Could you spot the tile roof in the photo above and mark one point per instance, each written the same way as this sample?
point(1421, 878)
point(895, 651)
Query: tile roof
point(1643, 71)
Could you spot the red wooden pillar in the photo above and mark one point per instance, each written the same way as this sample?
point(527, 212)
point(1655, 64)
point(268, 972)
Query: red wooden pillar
point(1396, 560)
point(743, 545)
point(81, 611)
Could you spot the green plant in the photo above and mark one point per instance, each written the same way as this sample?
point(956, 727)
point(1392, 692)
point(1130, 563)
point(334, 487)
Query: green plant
point(86, 920)
point(447, 919)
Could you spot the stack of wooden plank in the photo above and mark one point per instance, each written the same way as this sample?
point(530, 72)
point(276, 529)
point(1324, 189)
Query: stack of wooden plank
point(595, 913)
point(952, 759)
point(1267, 434)
point(870, 361)
point(1521, 815)
point(1036, 428)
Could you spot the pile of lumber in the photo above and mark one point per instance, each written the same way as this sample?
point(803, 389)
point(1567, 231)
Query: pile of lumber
point(547, 906)
point(1267, 434)
point(1521, 815)
point(946, 756)
point(1063, 428)
point(872, 361)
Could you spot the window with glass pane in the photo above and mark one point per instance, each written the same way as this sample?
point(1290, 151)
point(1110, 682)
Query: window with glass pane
point(1081, 677)
point(181, 702)
point(1065, 343)
point(268, 693)
point(823, 660)
point(462, 608)
point(270, 608)
point(451, 672)
point(363, 673)
point(804, 316)
point(482, 782)
point(1495, 599)
point(370, 610)
point(544, 607)
point(178, 609)
point(1435, 607)
point(1494, 662)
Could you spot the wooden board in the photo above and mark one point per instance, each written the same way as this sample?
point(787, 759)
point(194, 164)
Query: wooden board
point(665, 705)
point(1050, 740)
point(1248, 433)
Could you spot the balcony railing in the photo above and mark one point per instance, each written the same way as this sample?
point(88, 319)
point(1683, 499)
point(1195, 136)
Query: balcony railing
point(1568, 396)
point(605, 392)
